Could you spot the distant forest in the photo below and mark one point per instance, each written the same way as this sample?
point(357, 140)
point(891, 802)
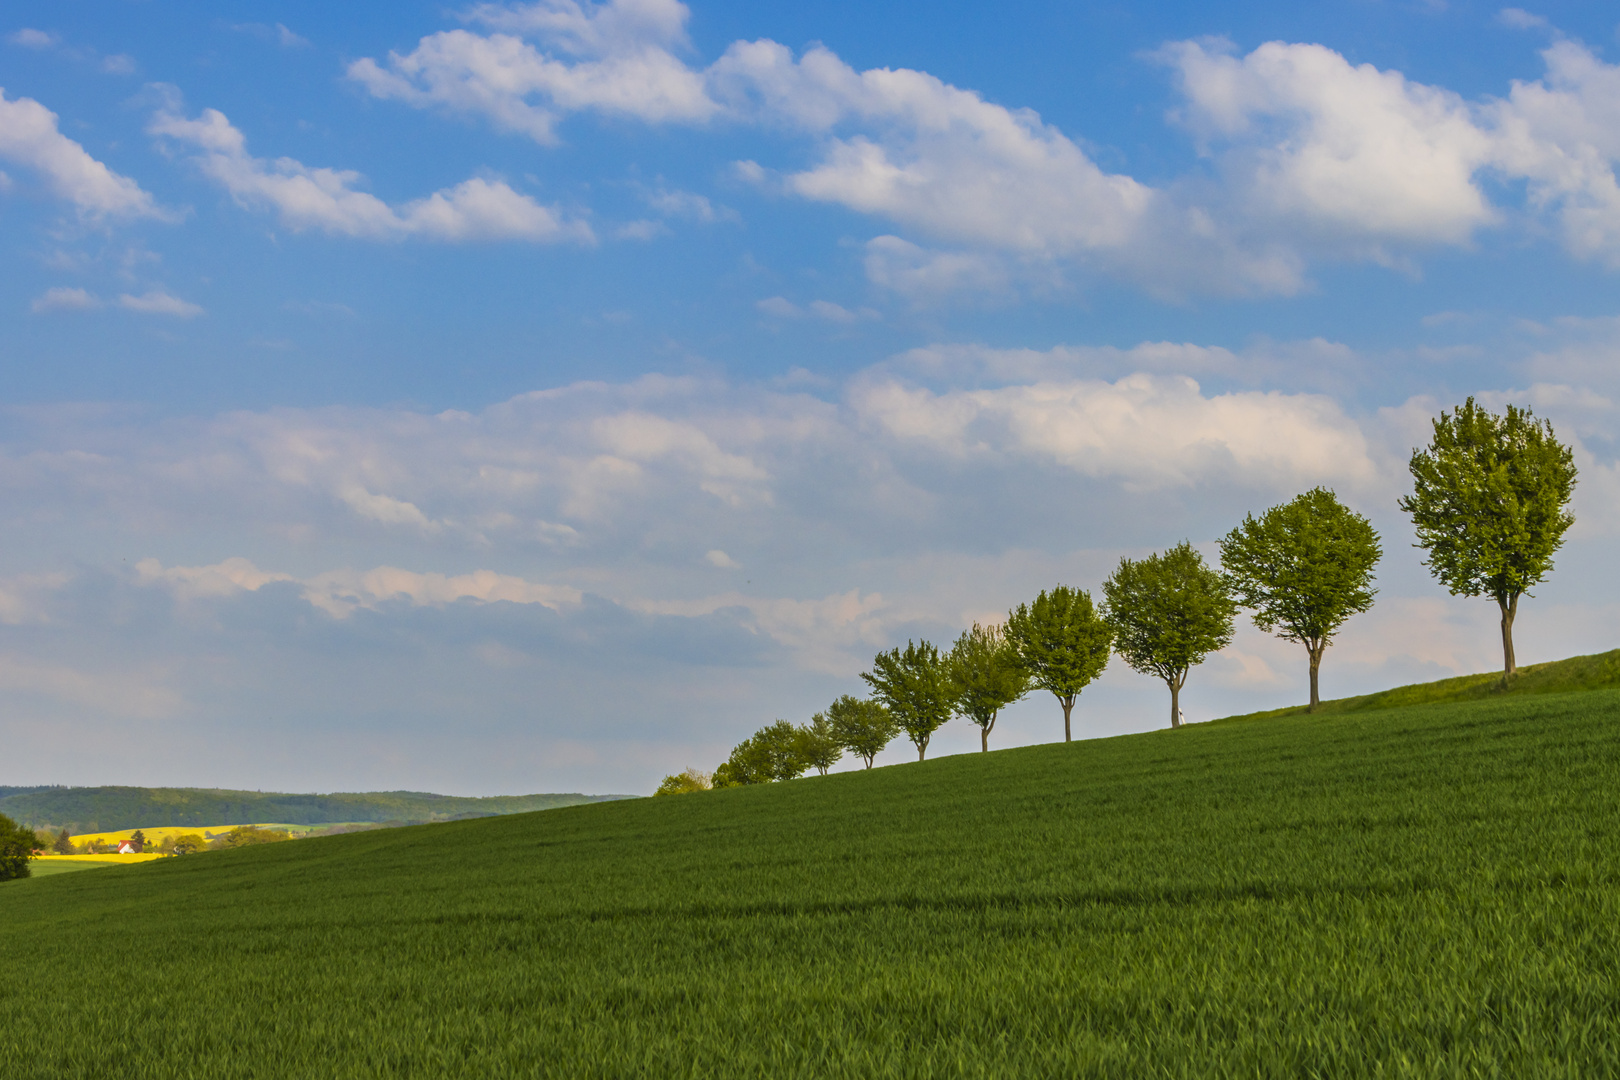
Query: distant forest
point(111, 809)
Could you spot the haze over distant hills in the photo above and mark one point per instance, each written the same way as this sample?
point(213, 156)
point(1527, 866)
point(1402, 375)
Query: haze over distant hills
point(96, 809)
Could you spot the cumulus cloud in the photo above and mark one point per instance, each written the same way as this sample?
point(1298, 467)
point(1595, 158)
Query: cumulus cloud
point(158, 302)
point(62, 298)
point(1353, 149)
point(29, 137)
point(1146, 431)
point(619, 60)
point(329, 200)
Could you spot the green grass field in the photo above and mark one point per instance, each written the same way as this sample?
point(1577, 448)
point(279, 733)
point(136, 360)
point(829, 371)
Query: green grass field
point(1431, 891)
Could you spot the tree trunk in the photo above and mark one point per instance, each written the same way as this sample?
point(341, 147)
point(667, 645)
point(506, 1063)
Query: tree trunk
point(1510, 608)
point(1175, 702)
point(1068, 707)
point(984, 736)
point(869, 761)
point(1316, 650)
point(922, 750)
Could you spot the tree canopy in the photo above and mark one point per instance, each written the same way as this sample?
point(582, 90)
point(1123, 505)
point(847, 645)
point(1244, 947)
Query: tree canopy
point(1490, 502)
point(1303, 568)
point(684, 783)
point(861, 726)
point(769, 754)
point(819, 746)
point(915, 685)
point(986, 676)
point(1063, 643)
point(1169, 611)
point(17, 846)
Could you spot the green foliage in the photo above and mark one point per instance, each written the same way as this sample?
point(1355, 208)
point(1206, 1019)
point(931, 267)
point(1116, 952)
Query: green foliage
point(17, 846)
point(861, 726)
point(1490, 498)
point(819, 747)
point(1412, 894)
point(769, 754)
point(1169, 612)
point(187, 844)
point(1063, 643)
point(914, 684)
point(1303, 568)
point(138, 838)
point(63, 844)
point(113, 809)
point(986, 676)
point(684, 783)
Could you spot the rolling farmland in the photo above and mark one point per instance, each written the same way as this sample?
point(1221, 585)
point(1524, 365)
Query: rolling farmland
point(1425, 891)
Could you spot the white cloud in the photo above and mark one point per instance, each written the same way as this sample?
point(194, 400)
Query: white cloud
point(1345, 148)
point(29, 136)
point(30, 38)
point(779, 307)
point(289, 40)
point(62, 298)
point(1562, 133)
point(118, 64)
point(621, 63)
point(1145, 431)
point(158, 302)
point(328, 199)
point(716, 557)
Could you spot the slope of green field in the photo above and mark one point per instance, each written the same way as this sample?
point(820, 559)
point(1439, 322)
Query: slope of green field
point(1600, 671)
point(1426, 892)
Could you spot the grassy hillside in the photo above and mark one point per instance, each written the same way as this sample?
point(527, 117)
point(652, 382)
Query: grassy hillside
point(1422, 892)
point(113, 809)
point(1600, 671)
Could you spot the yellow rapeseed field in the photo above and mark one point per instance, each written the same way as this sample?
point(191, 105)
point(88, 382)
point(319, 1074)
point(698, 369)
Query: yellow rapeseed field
point(157, 833)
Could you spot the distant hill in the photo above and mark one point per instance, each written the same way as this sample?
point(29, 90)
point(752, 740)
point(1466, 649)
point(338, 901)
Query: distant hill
point(107, 809)
point(1600, 671)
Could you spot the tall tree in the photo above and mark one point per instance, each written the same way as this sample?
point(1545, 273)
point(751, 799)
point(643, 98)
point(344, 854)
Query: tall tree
point(64, 843)
point(1490, 501)
point(819, 747)
point(915, 685)
point(1303, 568)
point(986, 676)
point(1063, 643)
point(861, 726)
point(1168, 612)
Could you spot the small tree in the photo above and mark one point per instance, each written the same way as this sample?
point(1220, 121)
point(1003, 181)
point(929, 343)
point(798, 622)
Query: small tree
point(63, 844)
point(1063, 643)
point(1490, 499)
point(683, 783)
point(986, 676)
point(189, 844)
point(915, 685)
point(1303, 568)
point(819, 747)
point(138, 838)
point(769, 754)
point(17, 846)
point(861, 726)
point(1169, 611)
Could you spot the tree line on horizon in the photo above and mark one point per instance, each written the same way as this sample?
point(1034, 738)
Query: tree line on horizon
point(1489, 505)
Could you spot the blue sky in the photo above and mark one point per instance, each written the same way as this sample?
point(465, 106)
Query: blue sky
point(543, 396)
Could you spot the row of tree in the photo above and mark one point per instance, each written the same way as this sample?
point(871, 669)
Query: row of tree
point(1489, 504)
